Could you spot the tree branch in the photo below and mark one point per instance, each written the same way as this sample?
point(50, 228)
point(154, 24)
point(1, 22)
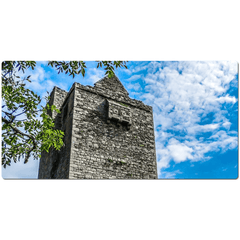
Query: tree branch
point(16, 130)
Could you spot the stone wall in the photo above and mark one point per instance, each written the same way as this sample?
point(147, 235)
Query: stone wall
point(55, 164)
point(107, 135)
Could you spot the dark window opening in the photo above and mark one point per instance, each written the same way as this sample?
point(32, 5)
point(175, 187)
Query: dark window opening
point(65, 112)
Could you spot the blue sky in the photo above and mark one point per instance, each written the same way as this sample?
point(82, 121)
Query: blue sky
point(195, 106)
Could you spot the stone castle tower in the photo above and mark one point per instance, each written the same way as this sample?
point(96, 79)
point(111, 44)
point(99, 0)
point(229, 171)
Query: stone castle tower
point(108, 135)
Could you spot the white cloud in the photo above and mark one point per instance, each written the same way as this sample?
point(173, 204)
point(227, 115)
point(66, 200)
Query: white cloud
point(170, 174)
point(201, 128)
point(40, 82)
point(226, 125)
point(39, 74)
point(149, 97)
point(179, 151)
point(135, 86)
point(125, 70)
point(227, 99)
point(140, 67)
point(133, 78)
point(183, 94)
point(93, 75)
point(165, 121)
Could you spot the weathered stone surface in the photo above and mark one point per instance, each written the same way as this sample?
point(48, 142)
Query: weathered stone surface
point(120, 113)
point(101, 143)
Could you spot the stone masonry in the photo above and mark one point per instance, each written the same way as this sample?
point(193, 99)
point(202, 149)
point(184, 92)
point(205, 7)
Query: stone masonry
point(108, 135)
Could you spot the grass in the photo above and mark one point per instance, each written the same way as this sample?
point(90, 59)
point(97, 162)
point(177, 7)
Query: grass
point(124, 104)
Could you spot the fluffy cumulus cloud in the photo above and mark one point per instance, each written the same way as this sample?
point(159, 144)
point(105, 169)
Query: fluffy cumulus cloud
point(191, 104)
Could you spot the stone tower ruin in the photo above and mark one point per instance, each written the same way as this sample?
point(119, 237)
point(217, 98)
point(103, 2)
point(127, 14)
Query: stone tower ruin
point(108, 135)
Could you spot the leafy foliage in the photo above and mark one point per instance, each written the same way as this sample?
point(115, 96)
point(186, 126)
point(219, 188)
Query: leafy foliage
point(71, 67)
point(27, 129)
point(28, 135)
point(76, 67)
point(110, 65)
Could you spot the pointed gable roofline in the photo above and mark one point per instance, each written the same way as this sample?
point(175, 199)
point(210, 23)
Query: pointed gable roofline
point(111, 84)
